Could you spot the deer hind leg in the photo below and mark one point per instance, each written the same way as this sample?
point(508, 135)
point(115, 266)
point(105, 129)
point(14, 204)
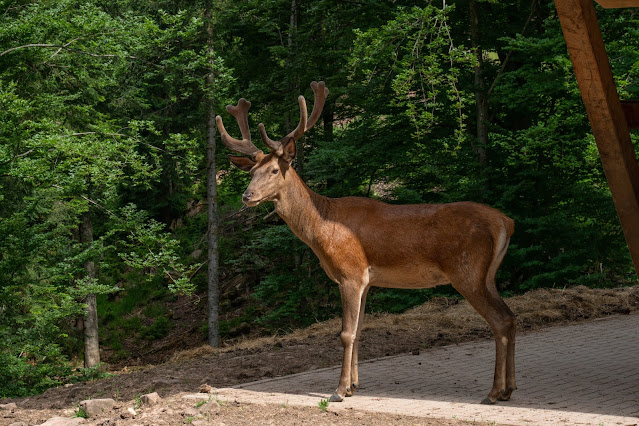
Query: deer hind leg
point(351, 304)
point(510, 318)
point(482, 295)
point(502, 322)
point(354, 362)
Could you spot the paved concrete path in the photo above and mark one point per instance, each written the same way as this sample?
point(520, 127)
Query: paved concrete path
point(579, 374)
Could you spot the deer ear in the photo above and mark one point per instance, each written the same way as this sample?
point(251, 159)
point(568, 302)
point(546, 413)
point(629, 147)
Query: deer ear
point(242, 163)
point(289, 150)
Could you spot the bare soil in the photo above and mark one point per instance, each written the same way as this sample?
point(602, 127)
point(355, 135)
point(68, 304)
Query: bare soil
point(436, 323)
point(175, 410)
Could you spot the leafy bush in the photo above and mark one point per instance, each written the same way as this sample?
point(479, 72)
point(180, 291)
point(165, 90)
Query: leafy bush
point(25, 373)
point(158, 329)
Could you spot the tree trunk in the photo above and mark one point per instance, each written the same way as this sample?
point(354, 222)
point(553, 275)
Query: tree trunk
point(91, 342)
point(211, 198)
point(481, 98)
point(295, 86)
point(327, 117)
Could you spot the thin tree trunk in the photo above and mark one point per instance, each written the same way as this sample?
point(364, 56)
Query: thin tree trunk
point(211, 198)
point(481, 98)
point(293, 22)
point(91, 342)
point(328, 119)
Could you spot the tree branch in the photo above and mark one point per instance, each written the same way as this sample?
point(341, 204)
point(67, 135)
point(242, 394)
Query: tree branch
point(98, 133)
point(64, 46)
point(27, 45)
point(24, 154)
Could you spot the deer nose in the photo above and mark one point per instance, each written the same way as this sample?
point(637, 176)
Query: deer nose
point(247, 196)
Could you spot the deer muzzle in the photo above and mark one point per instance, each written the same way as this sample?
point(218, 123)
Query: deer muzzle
point(248, 199)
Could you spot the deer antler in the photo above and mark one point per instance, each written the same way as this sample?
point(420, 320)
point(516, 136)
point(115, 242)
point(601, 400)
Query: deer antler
point(244, 146)
point(306, 123)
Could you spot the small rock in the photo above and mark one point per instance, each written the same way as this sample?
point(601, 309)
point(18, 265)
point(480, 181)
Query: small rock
point(68, 385)
point(150, 399)
point(199, 423)
point(416, 352)
point(9, 406)
point(190, 412)
point(210, 407)
point(95, 407)
point(129, 413)
point(197, 396)
point(63, 421)
point(205, 388)
point(19, 424)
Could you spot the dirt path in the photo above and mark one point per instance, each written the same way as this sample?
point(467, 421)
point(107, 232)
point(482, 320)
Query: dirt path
point(439, 322)
point(179, 409)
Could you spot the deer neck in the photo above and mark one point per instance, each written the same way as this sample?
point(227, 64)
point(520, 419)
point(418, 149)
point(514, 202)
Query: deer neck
point(303, 210)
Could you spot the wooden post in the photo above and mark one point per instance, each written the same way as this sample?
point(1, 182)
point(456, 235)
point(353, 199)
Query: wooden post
point(599, 93)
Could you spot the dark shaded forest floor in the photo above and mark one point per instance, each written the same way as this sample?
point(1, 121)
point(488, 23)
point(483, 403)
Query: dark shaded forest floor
point(439, 322)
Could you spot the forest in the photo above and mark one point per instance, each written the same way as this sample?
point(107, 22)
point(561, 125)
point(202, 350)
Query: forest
point(107, 148)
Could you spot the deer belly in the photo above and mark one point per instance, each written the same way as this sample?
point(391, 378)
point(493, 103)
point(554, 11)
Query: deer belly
point(407, 276)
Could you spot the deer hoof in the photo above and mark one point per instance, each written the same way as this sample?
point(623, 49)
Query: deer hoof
point(350, 391)
point(487, 401)
point(335, 398)
point(503, 395)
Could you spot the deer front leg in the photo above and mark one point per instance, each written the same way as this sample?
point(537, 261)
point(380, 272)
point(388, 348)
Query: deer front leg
point(351, 301)
point(360, 324)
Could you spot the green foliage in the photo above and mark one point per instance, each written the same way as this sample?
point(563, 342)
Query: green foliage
point(293, 291)
point(27, 373)
point(323, 404)
point(103, 109)
point(80, 90)
point(81, 412)
point(394, 300)
point(153, 248)
point(91, 373)
point(415, 55)
point(158, 329)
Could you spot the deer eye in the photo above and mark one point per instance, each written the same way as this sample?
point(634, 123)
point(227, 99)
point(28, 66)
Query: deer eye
point(275, 171)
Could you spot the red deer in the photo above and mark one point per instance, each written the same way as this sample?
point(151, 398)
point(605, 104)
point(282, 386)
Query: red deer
point(362, 242)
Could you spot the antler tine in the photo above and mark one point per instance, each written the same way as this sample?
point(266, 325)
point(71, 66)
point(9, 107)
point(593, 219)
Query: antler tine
point(301, 127)
point(240, 112)
point(276, 146)
point(306, 123)
point(321, 93)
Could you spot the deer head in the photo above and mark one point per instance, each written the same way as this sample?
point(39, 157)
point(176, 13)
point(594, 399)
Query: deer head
point(268, 172)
